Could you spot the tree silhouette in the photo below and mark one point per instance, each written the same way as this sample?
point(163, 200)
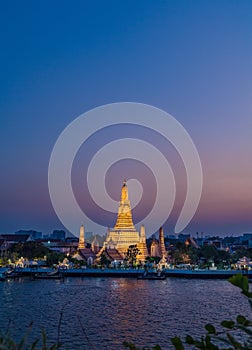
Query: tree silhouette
point(132, 254)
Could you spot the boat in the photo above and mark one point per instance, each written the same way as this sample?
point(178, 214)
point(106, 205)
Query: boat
point(54, 275)
point(44, 276)
point(11, 274)
point(152, 276)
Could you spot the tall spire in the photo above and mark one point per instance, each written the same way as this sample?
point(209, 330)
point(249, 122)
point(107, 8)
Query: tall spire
point(162, 249)
point(142, 245)
point(124, 217)
point(81, 244)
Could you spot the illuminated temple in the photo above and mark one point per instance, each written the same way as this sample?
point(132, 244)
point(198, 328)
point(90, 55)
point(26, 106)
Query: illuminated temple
point(124, 233)
point(118, 240)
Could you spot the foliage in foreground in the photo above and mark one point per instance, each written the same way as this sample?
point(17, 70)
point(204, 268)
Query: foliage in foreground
point(7, 342)
point(235, 335)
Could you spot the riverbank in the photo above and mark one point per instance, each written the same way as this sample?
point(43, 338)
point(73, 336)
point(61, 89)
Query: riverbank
point(134, 273)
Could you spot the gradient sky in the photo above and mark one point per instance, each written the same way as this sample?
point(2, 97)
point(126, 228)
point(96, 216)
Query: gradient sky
point(192, 59)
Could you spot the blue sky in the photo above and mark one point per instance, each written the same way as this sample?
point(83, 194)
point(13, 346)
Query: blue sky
point(191, 58)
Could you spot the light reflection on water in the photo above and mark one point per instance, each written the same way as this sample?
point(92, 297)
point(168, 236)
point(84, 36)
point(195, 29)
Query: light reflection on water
point(115, 310)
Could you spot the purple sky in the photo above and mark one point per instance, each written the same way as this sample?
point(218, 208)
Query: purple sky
point(192, 59)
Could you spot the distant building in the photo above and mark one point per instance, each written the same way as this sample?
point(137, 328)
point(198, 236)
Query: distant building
point(3, 246)
point(58, 245)
point(171, 237)
point(15, 238)
point(58, 234)
point(213, 240)
point(248, 237)
point(244, 263)
point(32, 233)
point(182, 237)
point(74, 240)
point(191, 241)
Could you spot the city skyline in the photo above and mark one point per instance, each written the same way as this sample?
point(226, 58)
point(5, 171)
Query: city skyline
point(190, 59)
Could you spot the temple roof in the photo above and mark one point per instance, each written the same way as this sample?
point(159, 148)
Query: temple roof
point(113, 254)
point(87, 253)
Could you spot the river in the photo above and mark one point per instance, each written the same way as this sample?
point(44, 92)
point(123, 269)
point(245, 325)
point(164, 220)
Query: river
point(101, 313)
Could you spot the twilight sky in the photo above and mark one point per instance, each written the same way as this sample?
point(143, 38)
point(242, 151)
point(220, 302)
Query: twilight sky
point(192, 59)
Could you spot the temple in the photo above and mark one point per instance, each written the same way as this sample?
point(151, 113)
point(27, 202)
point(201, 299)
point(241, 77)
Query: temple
point(124, 233)
point(118, 240)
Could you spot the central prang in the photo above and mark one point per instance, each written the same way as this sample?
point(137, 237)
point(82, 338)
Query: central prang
point(124, 233)
point(124, 218)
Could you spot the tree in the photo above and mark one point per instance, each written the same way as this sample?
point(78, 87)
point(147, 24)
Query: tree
point(132, 254)
point(209, 252)
point(104, 261)
point(30, 250)
point(36, 250)
point(53, 258)
point(242, 251)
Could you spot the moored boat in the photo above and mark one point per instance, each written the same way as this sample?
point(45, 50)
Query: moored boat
point(152, 276)
point(53, 275)
point(11, 274)
point(38, 276)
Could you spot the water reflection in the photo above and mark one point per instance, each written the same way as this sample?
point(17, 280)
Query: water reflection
point(107, 311)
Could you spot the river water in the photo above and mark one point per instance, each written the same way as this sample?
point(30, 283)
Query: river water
point(101, 313)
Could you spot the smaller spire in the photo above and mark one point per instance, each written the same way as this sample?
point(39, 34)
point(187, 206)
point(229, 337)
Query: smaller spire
point(95, 245)
point(142, 234)
point(162, 249)
point(82, 238)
